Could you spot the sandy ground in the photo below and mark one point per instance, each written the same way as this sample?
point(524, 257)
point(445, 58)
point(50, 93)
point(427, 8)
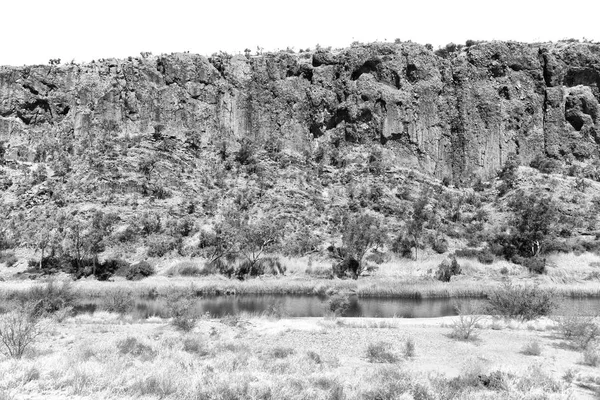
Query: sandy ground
point(498, 344)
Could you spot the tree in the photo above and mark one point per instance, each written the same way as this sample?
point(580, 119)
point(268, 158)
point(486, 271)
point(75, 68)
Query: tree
point(45, 230)
point(255, 238)
point(534, 222)
point(360, 234)
point(508, 173)
point(97, 234)
point(418, 219)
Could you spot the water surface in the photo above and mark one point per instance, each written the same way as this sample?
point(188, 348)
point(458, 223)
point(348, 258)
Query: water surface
point(315, 306)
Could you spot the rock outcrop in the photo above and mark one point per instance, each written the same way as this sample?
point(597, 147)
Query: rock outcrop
point(455, 115)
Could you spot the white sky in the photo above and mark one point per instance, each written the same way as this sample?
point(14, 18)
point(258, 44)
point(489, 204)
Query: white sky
point(33, 31)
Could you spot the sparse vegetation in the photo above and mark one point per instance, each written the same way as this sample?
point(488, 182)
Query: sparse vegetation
point(532, 348)
point(19, 329)
point(381, 352)
point(468, 320)
point(525, 302)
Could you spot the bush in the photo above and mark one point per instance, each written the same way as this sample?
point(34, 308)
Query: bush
point(521, 301)
point(19, 330)
point(139, 271)
point(409, 348)
point(49, 298)
point(195, 346)
point(591, 357)
point(108, 268)
point(439, 245)
point(119, 301)
point(545, 165)
point(339, 303)
point(381, 352)
point(536, 265)
point(580, 330)
point(8, 259)
point(219, 266)
point(131, 345)
point(467, 322)
point(181, 311)
point(532, 348)
point(160, 245)
point(447, 269)
point(484, 256)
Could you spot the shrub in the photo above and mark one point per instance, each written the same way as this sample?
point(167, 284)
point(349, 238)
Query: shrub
point(439, 245)
point(19, 330)
point(484, 256)
point(536, 265)
point(468, 320)
point(521, 301)
point(591, 357)
point(532, 348)
point(181, 311)
point(119, 301)
point(578, 329)
point(8, 259)
point(188, 268)
point(381, 352)
point(49, 298)
point(195, 346)
point(339, 303)
point(447, 269)
point(219, 266)
point(131, 345)
point(409, 348)
point(545, 165)
point(108, 268)
point(139, 271)
point(159, 245)
point(281, 352)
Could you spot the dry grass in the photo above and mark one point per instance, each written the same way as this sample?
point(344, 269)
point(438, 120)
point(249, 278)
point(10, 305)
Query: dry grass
point(159, 363)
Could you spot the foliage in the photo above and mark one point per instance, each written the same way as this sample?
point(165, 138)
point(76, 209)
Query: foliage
point(118, 301)
point(181, 311)
point(468, 320)
point(19, 329)
point(447, 269)
point(508, 173)
point(160, 245)
point(339, 303)
point(580, 330)
point(8, 259)
point(139, 271)
point(252, 239)
point(484, 256)
point(532, 348)
point(521, 301)
point(439, 245)
point(130, 345)
point(409, 348)
point(545, 165)
point(107, 269)
point(381, 352)
point(360, 234)
point(49, 298)
point(532, 226)
point(591, 357)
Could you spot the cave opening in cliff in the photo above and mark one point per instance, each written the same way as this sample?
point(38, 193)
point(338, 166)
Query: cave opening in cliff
point(368, 67)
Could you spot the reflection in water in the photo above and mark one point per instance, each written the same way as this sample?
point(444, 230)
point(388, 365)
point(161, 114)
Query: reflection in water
point(313, 306)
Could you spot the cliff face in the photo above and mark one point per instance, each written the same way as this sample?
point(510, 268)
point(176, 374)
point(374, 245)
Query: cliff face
point(453, 116)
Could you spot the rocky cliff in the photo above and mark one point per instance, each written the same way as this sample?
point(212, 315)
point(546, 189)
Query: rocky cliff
point(452, 115)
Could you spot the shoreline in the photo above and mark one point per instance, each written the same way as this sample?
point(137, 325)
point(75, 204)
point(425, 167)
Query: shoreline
point(159, 286)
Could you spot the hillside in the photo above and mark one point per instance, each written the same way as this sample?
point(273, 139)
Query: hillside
point(158, 149)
